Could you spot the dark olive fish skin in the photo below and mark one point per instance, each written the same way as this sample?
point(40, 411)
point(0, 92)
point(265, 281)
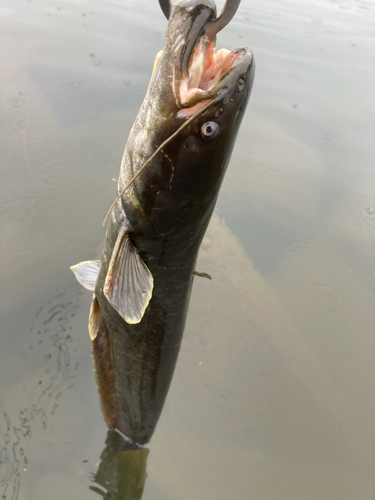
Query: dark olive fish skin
point(165, 213)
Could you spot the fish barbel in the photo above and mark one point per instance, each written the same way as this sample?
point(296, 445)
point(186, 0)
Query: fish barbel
point(171, 172)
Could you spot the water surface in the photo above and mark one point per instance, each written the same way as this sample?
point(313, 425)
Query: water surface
point(273, 395)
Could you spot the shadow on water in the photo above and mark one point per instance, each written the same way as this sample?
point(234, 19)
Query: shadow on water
point(121, 474)
point(51, 327)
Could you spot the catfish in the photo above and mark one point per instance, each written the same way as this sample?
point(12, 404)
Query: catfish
point(171, 172)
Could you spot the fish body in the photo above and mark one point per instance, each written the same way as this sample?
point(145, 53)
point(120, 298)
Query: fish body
point(143, 282)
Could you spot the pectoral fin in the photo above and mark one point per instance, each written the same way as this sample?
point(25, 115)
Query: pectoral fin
point(129, 283)
point(87, 273)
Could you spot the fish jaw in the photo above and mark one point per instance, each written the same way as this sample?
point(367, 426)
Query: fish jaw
point(206, 71)
point(225, 72)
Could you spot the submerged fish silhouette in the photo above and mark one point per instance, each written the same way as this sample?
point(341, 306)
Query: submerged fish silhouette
point(171, 172)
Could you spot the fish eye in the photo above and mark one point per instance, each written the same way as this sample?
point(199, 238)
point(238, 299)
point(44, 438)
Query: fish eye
point(209, 130)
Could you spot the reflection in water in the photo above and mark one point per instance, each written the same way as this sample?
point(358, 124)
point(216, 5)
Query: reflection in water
point(122, 471)
point(51, 327)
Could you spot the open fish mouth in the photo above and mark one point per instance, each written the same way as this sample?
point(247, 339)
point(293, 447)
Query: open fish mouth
point(188, 63)
point(208, 73)
point(198, 72)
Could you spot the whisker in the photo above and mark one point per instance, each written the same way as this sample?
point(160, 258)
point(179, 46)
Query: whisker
point(167, 141)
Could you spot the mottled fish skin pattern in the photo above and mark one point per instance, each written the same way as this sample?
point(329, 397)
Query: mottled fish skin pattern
point(165, 212)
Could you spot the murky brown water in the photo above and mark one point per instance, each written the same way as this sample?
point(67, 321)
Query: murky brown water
point(273, 396)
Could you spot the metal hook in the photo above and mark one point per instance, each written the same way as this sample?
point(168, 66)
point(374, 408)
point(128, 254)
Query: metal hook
point(229, 9)
point(213, 27)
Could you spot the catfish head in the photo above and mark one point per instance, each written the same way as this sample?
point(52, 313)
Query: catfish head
point(173, 165)
point(192, 112)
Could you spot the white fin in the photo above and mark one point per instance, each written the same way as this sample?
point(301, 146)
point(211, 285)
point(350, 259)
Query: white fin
point(129, 283)
point(87, 273)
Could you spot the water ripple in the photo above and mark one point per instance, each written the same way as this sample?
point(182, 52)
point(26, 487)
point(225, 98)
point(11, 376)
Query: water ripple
point(326, 299)
point(367, 215)
point(60, 173)
point(309, 258)
point(51, 326)
point(355, 180)
point(35, 127)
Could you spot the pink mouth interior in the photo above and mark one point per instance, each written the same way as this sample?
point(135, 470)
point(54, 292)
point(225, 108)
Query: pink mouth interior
point(217, 65)
point(205, 69)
